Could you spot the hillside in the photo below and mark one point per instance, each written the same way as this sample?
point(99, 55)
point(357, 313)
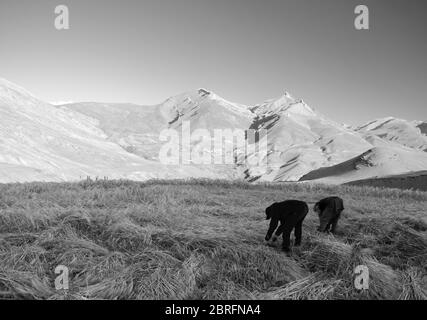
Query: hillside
point(204, 240)
point(43, 142)
point(414, 180)
point(376, 162)
point(301, 139)
point(137, 128)
point(410, 134)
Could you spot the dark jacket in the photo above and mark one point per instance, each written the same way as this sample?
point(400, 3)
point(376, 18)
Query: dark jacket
point(289, 213)
point(335, 204)
point(330, 211)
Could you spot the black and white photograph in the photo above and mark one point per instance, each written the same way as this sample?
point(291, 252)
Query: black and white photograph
point(236, 153)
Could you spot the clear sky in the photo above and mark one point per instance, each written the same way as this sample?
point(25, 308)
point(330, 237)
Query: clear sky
point(247, 51)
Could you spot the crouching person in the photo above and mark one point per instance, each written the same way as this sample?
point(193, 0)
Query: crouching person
point(329, 211)
point(290, 214)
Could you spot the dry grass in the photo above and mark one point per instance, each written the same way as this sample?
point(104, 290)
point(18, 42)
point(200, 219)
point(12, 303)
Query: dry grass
point(202, 239)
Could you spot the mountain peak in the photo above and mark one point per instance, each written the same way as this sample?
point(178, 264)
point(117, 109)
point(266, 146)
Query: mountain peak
point(287, 95)
point(203, 92)
point(285, 104)
point(300, 107)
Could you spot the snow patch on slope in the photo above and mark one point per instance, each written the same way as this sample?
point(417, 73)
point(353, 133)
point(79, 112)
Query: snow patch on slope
point(403, 132)
point(376, 162)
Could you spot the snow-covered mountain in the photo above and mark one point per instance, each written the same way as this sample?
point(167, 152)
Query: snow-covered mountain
point(398, 148)
point(300, 139)
point(410, 134)
point(374, 163)
point(137, 128)
point(40, 141)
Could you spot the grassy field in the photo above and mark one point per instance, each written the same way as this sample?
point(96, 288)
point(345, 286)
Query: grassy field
point(205, 240)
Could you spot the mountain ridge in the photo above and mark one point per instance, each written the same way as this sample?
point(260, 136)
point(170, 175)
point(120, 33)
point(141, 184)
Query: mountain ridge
point(121, 140)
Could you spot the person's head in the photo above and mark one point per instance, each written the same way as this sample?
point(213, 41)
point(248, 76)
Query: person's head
point(268, 212)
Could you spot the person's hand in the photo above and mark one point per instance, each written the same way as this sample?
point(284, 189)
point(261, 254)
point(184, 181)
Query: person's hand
point(274, 239)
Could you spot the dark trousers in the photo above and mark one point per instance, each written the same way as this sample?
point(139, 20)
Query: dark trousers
point(333, 224)
point(291, 223)
point(329, 220)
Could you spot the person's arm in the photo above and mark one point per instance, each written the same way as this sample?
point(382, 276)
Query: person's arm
point(323, 223)
point(342, 205)
point(325, 218)
point(279, 231)
point(323, 204)
point(273, 225)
